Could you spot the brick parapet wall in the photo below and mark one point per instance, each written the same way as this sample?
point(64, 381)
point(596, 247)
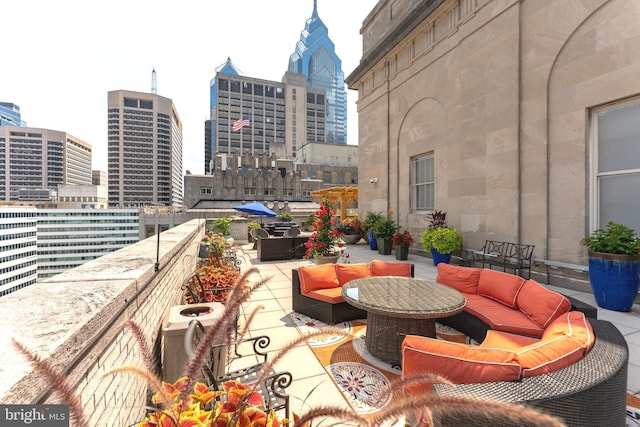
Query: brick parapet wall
point(74, 320)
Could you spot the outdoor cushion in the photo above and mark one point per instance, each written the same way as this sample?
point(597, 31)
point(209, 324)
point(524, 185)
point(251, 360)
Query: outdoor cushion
point(500, 317)
point(464, 279)
point(549, 355)
point(321, 276)
point(506, 341)
point(500, 286)
point(386, 268)
point(459, 363)
point(573, 324)
point(347, 272)
point(330, 295)
point(540, 304)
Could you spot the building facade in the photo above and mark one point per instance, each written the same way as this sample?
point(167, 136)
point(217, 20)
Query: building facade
point(315, 58)
point(266, 177)
point(68, 238)
point(34, 161)
point(518, 118)
point(145, 163)
point(280, 116)
point(10, 115)
point(18, 248)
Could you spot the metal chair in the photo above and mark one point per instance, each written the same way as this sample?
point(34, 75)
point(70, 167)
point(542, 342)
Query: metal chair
point(273, 385)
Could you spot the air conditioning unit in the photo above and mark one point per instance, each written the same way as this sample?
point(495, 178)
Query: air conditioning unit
point(175, 325)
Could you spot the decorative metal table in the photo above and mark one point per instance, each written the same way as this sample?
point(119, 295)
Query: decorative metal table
point(399, 306)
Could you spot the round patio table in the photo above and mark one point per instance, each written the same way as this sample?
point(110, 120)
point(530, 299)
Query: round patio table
point(399, 306)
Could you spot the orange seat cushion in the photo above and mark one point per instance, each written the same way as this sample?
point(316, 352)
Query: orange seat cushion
point(348, 272)
point(540, 304)
point(464, 279)
point(318, 277)
point(506, 341)
point(500, 286)
point(500, 317)
point(549, 355)
point(573, 324)
point(330, 295)
point(459, 363)
point(386, 268)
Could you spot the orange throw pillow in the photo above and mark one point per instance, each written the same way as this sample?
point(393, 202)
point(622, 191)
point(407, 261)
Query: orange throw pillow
point(500, 286)
point(573, 324)
point(347, 272)
point(464, 279)
point(386, 268)
point(540, 304)
point(318, 277)
point(549, 355)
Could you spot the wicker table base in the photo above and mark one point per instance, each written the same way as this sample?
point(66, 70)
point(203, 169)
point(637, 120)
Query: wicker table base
point(385, 334)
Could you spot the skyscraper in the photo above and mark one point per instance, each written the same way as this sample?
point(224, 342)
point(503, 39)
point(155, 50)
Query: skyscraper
point(315, 57)
point(10, 115)
point(34, 161)
point(145, 150)
point(255, 115)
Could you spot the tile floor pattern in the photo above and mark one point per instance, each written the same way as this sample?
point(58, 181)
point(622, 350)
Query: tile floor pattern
point(312, 386)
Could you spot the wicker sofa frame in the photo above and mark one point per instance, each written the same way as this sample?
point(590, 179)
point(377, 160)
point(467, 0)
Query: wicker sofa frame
point(321, 310)
point(590, 392)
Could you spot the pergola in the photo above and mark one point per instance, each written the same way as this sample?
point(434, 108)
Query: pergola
point(343, 196)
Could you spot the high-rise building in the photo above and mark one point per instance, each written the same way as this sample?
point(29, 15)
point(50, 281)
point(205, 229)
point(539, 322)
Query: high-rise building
point(17, 248)
point(255, 115)
point(145, 150)
point(36, 161)
point(10, 115)
point(315, 57)
point(68, 238)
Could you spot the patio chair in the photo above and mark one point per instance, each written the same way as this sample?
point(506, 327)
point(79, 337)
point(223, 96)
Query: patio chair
point(216, 369)
point(256, 234)
point(292, 232)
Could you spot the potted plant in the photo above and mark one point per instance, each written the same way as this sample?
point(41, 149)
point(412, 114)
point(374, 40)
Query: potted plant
point(323, 244)
point(370, 219)
point(614, 266)
point(223, 226)
point(284, 217)
point(384, 230)
point(401, 243)
point(440, 239)
point(351, 230)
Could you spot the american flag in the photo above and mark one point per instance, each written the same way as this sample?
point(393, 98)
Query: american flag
point(240, 123)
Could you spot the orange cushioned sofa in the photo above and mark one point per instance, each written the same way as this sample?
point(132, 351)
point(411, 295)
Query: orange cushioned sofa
point(317, 289)
point(530, 339)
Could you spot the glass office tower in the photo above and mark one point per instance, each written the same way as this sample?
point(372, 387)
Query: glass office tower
point(315, 57)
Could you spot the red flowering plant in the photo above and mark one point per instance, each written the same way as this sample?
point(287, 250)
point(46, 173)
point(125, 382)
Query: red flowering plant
point(326, 238)
point(402, 239)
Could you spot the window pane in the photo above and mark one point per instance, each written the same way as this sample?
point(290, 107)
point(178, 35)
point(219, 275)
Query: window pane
point(619, 138)
point(619, 201)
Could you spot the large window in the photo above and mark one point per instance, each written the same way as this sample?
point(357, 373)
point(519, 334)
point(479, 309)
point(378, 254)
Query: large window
point(615, 165)
point(422, 183)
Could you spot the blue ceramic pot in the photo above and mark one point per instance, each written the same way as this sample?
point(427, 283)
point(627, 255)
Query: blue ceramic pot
point(614, 279)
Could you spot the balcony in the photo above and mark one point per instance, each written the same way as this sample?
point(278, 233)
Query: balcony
point(74, 320)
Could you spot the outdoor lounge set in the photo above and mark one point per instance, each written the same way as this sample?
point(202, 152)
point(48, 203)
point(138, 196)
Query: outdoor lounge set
point(536, 347)
point(317, 290)
point(533, 349)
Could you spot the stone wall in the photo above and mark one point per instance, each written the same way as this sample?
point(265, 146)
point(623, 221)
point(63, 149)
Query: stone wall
point(74, 321)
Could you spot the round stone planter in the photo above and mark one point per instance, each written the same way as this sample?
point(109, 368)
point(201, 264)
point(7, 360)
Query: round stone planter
point(351, 239)
point(326, 259)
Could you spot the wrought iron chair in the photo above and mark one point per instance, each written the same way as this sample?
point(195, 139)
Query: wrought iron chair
point(216, 370)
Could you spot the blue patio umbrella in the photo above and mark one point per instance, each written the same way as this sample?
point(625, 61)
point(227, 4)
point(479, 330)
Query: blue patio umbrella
point(255, 208)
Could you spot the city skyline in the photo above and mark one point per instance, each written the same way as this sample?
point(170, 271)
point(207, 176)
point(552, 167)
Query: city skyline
point(112, 47)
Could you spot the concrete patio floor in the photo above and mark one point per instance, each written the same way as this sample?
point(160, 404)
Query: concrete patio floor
point(312, 386)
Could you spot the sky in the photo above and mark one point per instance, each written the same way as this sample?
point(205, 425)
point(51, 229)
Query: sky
point(66, 55)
